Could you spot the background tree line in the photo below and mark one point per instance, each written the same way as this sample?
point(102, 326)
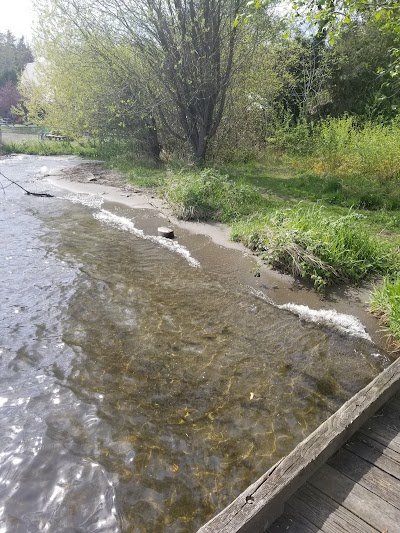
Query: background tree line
point(14, 55)
point(192, 79)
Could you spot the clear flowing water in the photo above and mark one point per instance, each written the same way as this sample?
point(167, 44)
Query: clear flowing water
point(138, 391)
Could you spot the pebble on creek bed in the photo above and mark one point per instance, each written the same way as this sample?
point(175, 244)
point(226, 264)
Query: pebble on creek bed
point(166, 232)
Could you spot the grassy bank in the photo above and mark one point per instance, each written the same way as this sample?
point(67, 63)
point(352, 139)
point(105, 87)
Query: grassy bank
point(308, 242)
point(209, 195)
point(37, 147)
point(288, 217)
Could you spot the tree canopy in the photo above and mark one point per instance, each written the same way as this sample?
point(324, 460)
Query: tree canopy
point(184, 77)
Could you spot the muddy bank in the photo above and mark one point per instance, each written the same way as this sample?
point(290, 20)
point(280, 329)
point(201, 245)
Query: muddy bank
point(210, 242)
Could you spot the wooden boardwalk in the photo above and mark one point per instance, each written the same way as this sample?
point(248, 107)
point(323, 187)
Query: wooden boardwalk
point(358, 489)
point(344, 477)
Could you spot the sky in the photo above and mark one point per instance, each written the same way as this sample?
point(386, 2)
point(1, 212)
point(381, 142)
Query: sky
point(17, 16)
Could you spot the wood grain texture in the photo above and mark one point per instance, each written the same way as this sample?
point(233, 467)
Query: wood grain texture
point(299, 519)
point(388, 416)
point(326, 513)
point(368, 476)
point(387, 452)
point(287, 523)
point(382, 433)
point(376, 454)
point(395, 403)
point(356, 499)
point(261, 503)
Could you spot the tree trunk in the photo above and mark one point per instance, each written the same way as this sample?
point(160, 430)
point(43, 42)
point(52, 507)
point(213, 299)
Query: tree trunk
point(154, 143)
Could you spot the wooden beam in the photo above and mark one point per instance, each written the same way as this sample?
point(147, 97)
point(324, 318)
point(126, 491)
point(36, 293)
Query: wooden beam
point(262, 503)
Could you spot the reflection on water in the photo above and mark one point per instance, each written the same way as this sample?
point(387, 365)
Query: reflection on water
point(138, 393)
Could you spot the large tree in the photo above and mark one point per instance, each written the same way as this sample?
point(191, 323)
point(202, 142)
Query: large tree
point(186, 49)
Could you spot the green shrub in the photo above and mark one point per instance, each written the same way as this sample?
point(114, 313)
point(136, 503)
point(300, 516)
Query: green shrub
point(293, 137)
point(364, 158)
point(386, 304)
point(305, 242)
point(208, 195)
point(332, 140)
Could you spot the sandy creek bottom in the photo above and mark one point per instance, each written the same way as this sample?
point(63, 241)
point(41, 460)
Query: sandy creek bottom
point(144, 383)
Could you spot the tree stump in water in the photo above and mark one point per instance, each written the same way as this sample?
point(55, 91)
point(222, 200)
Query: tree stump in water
point(166, 232)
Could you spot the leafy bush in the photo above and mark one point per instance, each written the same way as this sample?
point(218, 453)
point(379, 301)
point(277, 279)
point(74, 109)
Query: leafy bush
point(365, 159)
point(293, 137)
point(303, 241)
point(208, 195)
point(332, 141)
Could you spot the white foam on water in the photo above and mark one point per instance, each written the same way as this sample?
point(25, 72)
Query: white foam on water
point(88, 200)
point(346, 324)
point(127, 225)
point(44, 171)
point(3, 401)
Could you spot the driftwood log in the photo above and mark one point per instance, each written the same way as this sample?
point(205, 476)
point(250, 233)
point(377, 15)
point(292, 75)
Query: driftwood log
point(41, 194)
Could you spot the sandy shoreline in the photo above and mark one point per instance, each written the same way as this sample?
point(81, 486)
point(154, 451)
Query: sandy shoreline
point(92, 178)
point(211, 243)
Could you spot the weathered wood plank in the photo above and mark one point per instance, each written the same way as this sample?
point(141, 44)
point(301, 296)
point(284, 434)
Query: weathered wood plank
point(325, 513)
point(261, 503)
point(300, 519)
point(372, 478)
point(289, 524)
point(375, 455)
point(385, 450)
point(395, 403)
point(356, 499)
point(383, 434)
point(388, 417)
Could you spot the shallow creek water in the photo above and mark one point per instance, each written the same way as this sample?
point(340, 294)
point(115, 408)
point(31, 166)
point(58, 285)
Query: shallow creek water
point(143, 387)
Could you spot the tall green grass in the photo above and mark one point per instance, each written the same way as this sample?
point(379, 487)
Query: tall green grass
point(345, 148)
point(386, 304)
point(366, 159)
point(307, 242)
point(209, 195)
point(354, 163)
point(52, 148)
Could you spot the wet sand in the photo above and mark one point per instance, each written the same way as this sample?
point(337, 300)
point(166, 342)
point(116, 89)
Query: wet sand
point(93, 178)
